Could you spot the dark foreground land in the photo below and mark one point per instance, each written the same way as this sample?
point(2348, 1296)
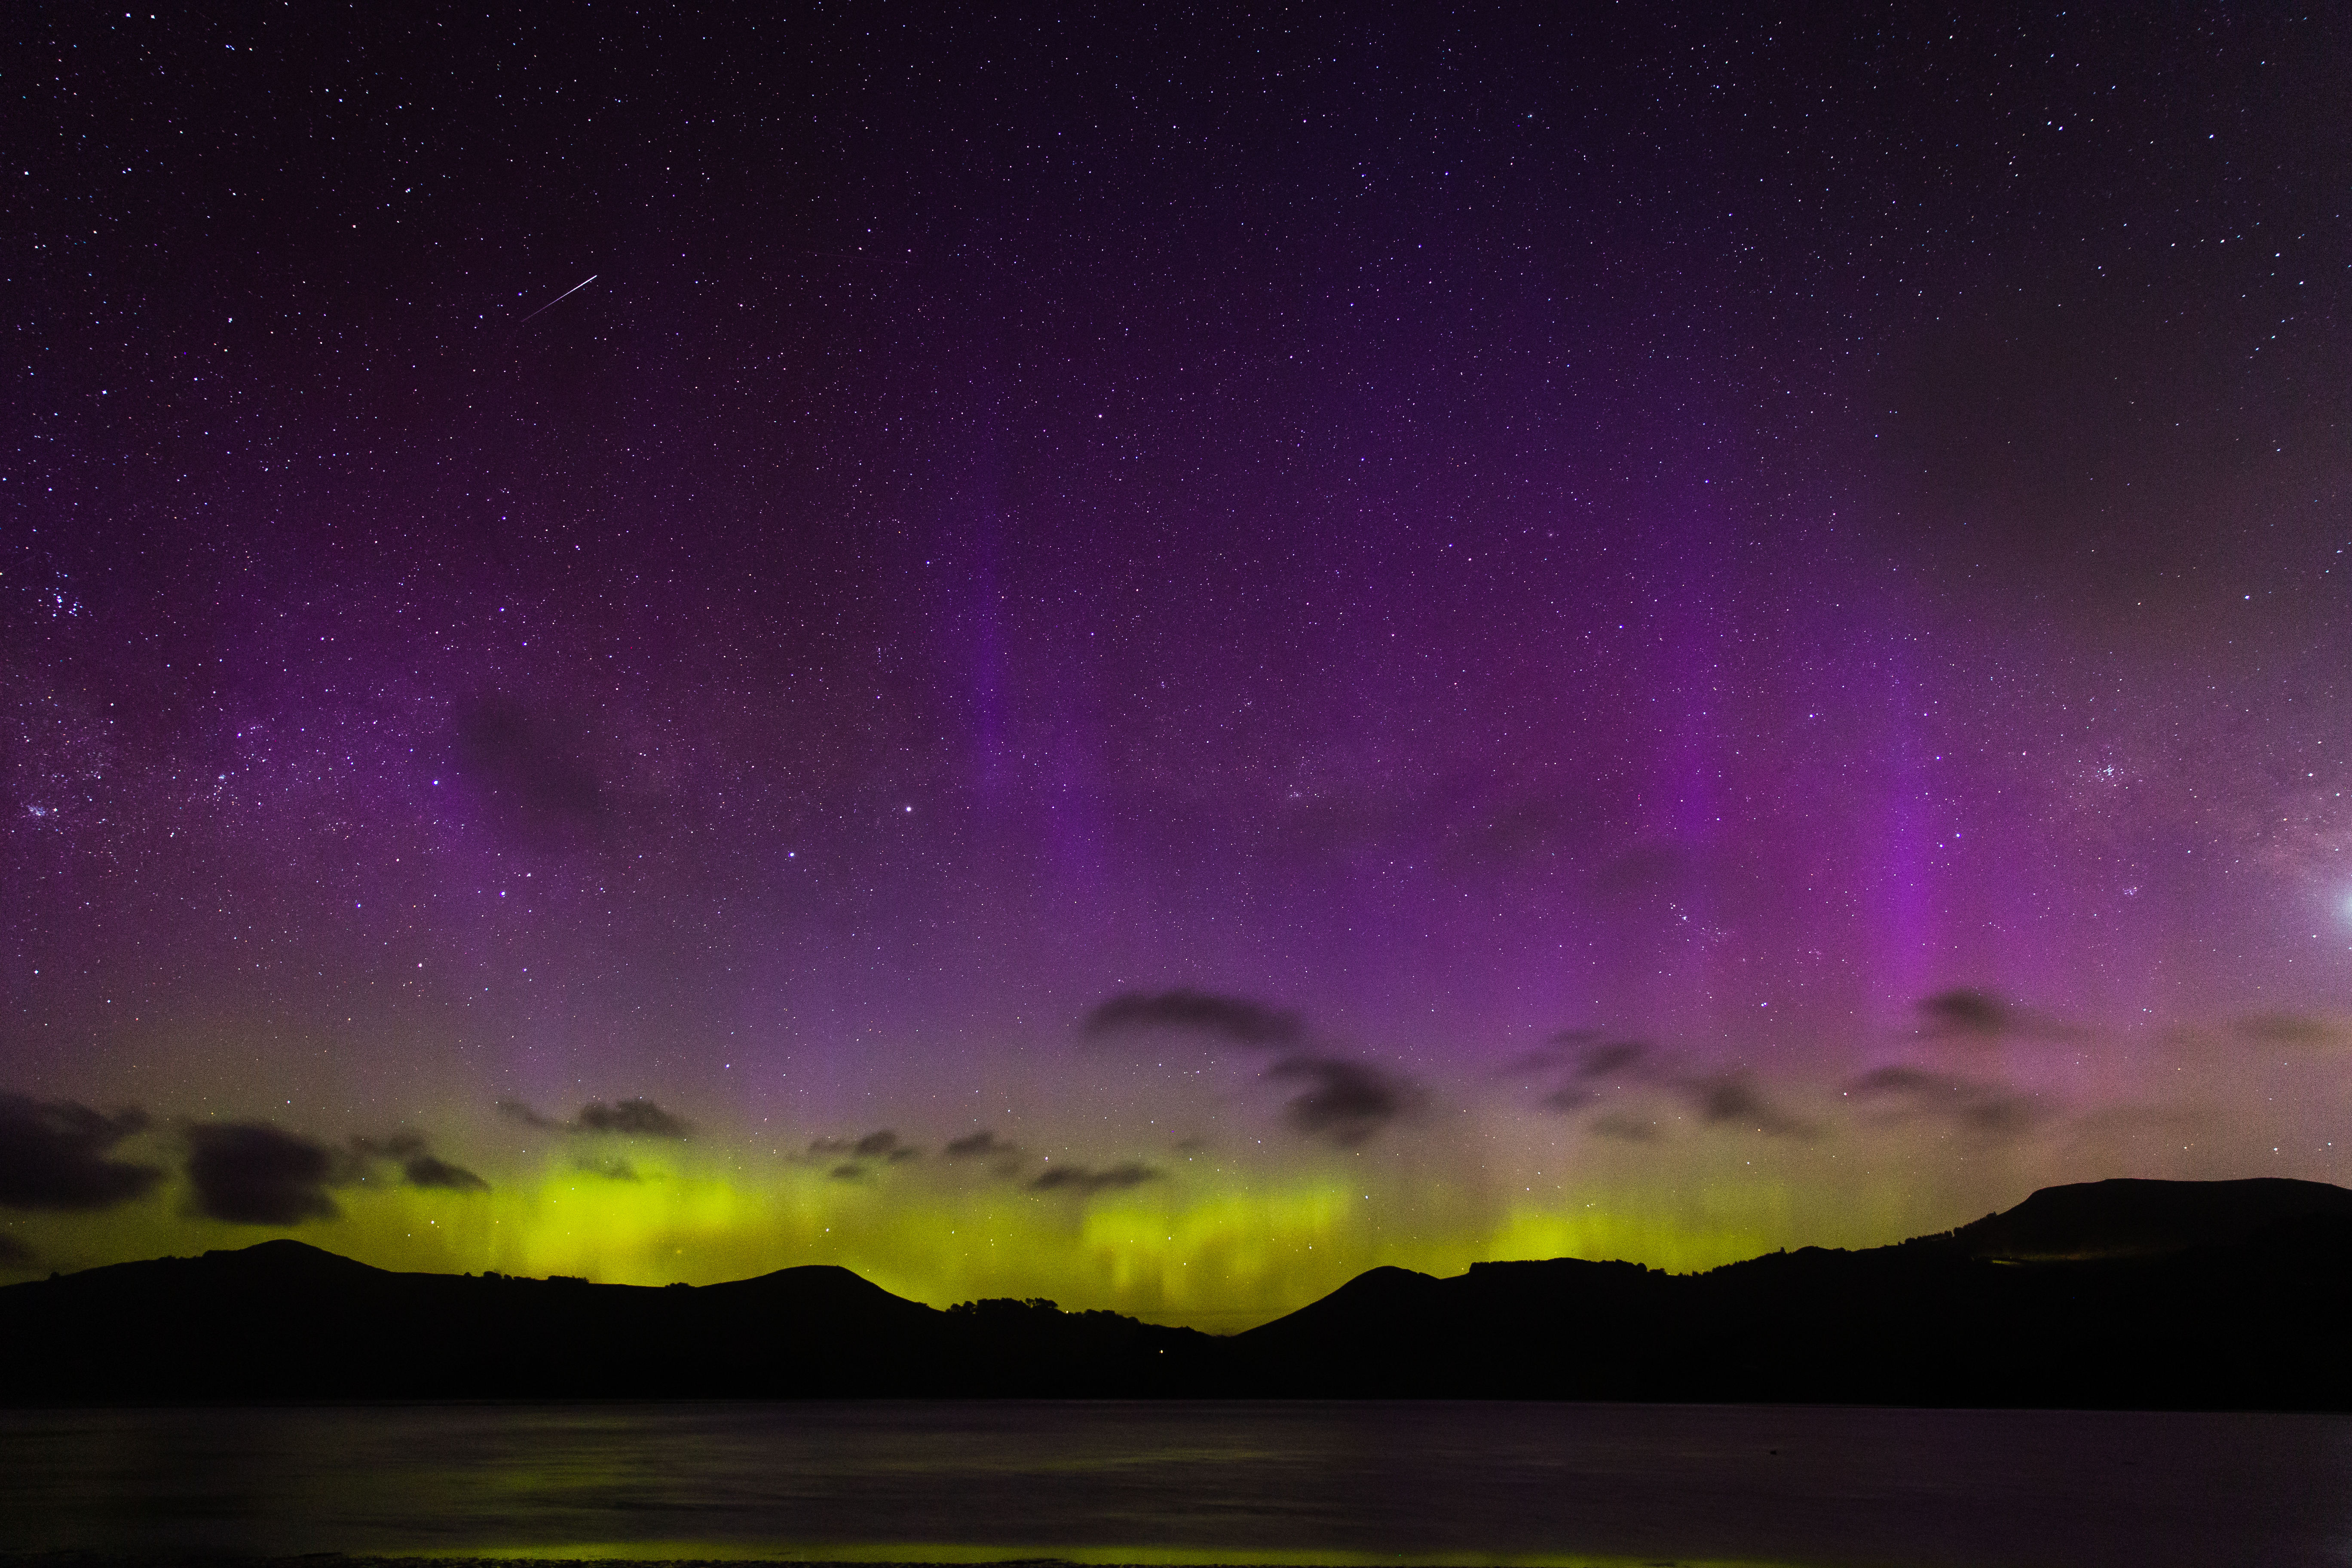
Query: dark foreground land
point(2225, 1295)
point(338, 1559)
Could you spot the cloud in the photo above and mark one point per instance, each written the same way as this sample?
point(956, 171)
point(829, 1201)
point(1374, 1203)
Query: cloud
point(882, 1144)
point(425, 1171)
point(1235, 1018)
point(1599, 1060)
point(2306, 1029)
point(14, 1253)
point(1733, 1099)
point(611, 1170)
point(252, 1173)
point(1590, 1055)
point(1970, 1015)
point(1532, 1064)
point(1347, 1102)
point(1595, 1055)
point(54, 1155)
point(631, 1118)
point(628, 1118)
point(417, 1164)
point(1082, 1179)
point(533, 772)
point(1966, 1011)
point(399, 1146)
point(1626, 1129)
point(848, 1173)
point(980, 1145)
point(1981, 1107)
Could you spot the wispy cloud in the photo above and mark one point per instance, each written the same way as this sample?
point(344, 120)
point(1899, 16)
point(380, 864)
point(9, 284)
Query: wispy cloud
point(638, 1118)
point(1236, 1019)
point(1981, 1107)
point(1083, 1179)
point(1344, 1102)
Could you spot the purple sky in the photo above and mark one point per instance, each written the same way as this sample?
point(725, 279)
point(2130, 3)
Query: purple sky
point(1594, 633)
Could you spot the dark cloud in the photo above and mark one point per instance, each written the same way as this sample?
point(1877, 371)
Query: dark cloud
point(1588, 1054)
point(1548, 1057)
point(14, 1253)
point(848, 1173)
point(1732, 1100)
point(1347, 1102)
point(252, 1173)
point(2294, 1029)
point(533, 773)
point(1598, 1061)
point(1235, 1018)
point(980, 1145)
point(1981, 1107)
point(1967, 1012)
point(1083, 1179)
point(1970, 1015)
point(399, 1146)
point(54, 1155)
point(629, 1118)
point(1626, 1129)
point(878, 1146)
point(417, 1163)
point(611, 1170)
point(425, 1171)
point(632, 1118)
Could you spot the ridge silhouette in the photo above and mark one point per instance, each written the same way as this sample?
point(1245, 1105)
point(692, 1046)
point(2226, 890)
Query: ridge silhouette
point(2118, 1293)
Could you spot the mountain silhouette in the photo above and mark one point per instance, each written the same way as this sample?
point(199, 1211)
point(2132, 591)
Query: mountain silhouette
point(2118, 1293)
point(2132, 1218)
point(284, 1321)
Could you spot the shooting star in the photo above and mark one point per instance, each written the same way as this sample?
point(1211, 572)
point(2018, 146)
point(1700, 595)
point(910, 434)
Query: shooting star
point(557, 301)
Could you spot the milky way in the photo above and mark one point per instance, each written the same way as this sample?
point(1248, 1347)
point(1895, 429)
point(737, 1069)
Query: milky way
point(1154, 660)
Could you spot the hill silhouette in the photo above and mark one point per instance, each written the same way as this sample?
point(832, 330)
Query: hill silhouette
point(2120, 1293)
point(2132, 1218)
point(286, 1321)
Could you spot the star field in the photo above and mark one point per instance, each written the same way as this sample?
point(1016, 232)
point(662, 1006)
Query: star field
point(1153, 658)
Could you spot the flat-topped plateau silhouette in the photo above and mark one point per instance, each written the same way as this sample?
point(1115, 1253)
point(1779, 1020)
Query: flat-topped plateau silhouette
point(2119, 1293)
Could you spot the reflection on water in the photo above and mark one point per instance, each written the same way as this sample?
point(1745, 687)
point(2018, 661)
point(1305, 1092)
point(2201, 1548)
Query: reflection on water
point(1178, 1482)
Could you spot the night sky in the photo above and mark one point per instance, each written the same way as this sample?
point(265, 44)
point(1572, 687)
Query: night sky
point(1153, 655)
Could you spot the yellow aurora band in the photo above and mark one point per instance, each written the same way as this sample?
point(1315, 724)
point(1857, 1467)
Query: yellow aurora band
point(1213, 1247)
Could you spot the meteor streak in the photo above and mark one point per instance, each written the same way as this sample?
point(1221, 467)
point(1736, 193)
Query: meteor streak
point(557, 301)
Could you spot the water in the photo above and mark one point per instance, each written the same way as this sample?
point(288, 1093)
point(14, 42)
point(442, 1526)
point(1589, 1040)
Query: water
point(1109, 1482)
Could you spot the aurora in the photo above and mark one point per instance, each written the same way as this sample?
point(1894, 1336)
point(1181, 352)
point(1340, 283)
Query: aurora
point(1152, 664)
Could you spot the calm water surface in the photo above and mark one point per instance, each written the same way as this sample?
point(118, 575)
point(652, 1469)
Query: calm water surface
point(1167, 1482)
